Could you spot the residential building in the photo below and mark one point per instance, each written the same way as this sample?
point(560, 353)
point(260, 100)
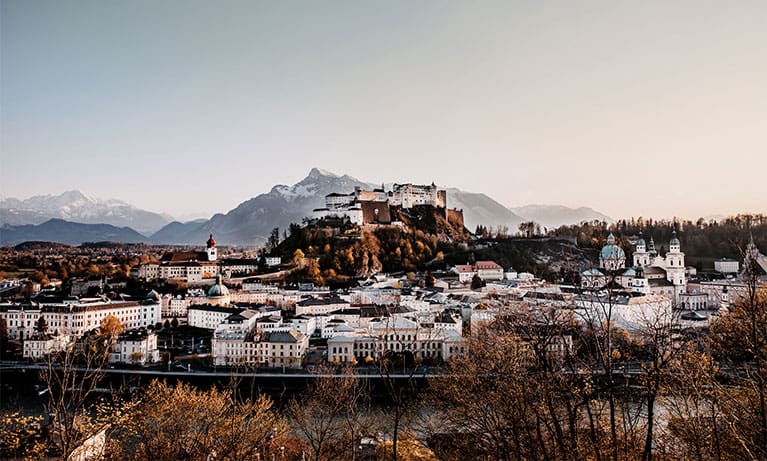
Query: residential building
point(486, 270)
point(76, 318)
point(40, 345)
point(137, 347)
point(727, 266)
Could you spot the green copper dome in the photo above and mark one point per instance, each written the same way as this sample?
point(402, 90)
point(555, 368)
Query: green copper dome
point(611, 251)
point(218, 289)
point(674, 240)
point(640, 241)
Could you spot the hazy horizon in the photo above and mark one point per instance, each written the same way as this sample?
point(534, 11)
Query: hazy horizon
point(191, 216)
point(651, 109)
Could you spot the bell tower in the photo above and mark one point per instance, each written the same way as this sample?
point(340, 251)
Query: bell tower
point(641, 256)
point(211, 249)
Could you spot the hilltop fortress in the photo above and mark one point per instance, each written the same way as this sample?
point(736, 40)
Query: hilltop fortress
point(373, 206)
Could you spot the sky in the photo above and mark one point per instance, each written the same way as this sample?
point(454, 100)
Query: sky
point(650, 108)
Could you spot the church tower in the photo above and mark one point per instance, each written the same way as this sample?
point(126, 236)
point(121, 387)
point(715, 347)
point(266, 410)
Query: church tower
point(641, 256)
point(675, 262)
point(752, 254)
point(724, 305)
point(211, 248)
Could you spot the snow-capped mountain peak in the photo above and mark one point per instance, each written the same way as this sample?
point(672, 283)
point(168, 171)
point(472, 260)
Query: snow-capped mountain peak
point(319, 172)
point(76, 206)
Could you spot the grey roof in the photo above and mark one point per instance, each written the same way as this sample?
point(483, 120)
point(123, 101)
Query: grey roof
point(211, 308)
point(291, 336)
point(660, 283)
point(322, 301)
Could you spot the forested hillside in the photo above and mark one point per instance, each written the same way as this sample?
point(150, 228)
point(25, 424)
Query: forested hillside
point(702, 241)
point(333, 254)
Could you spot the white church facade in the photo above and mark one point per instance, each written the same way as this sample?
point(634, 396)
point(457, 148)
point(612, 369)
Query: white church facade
point(650, 273)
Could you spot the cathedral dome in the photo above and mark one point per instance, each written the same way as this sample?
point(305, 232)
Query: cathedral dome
point(674, 239)
point(640, 241)
point(611, 250)
point(218, 289)
point(612, 257)
point(211, 243)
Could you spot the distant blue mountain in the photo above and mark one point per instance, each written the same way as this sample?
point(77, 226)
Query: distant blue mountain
point(59, 230)
point(553, 216)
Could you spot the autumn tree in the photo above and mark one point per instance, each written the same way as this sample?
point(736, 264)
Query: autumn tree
point(401, 344)
point(136, 357)
point(482, 397)
point(3, 334)
point(41, 326)
point(740, 341)
point(659, 348)
point(429, 279)
point(72, 376)
point(694, 402)
point(21, 436)
point(298, 258)
point(528, 229)
point(409, 449)
point(598, 355)
point(183, 422)
point(327, 415)
point(110, 327)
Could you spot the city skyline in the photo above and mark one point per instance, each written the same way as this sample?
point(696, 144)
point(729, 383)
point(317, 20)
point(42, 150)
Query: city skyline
point(655, 110)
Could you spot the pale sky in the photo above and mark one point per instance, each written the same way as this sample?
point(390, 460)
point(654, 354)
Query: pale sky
point(653, 108)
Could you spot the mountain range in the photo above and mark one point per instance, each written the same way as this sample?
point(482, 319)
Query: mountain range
point(250, 223)
point(76, 206)
point(58, 230)
point(553, 216)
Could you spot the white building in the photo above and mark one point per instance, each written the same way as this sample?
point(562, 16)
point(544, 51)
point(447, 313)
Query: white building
point(372, 206)
point(40, 345)
point(410, 195)
point(395, 335)
point(727, 266)
point(174, 306)
point(76, 318)
point(651, 273)
point(272, 261)
point(631, 312)
point(353, 213)
point(338, 201)
point(321, 305)
point(208, 316)
point(138, 347)
point(486, 270)
point(283, 348)
point(489, 270)
point(720, 292)
point(672, 263)
point(233, 340)
point(696, 302)
point(236, 344)
point(193, 266)
point(612, 257)
point(145, 271)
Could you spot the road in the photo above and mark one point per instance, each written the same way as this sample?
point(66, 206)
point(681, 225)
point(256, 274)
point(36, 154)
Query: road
point(222, 374)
